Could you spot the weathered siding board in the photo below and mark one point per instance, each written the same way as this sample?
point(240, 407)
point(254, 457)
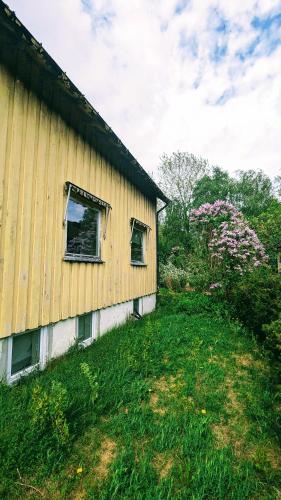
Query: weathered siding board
point(39, 152)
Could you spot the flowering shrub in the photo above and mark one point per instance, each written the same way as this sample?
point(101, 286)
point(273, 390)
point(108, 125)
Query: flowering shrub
point(226, 240)
point(173, 277)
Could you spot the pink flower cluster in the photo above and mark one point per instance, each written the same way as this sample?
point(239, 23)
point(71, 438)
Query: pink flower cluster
point(207, 211)
point(232, 244)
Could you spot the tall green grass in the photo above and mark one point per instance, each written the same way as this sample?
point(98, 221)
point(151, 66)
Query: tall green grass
point(177, 405)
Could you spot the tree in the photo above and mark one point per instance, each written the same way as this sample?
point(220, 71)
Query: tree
point(217, 185)
point(268, 227)
point(178, 175)
point(252, 192)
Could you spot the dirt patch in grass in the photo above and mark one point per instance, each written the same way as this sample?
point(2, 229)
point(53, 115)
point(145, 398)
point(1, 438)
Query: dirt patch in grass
point(153, 403)
point(222, 434)
point(106, 456)
point(244, 360)
point(247, 361)
point(232, 433)
point(233, 404)
point(265, 455)
point(163, 465)
point(226, 435)
point(164, 385)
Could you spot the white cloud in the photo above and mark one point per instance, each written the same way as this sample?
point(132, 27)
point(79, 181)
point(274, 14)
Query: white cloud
point(159, 96)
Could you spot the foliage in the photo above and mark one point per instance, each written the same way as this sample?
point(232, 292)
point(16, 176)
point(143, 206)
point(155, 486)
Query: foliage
point(91, 379)
point(174, 231)
point(173, 277)
point(192, 303)
point(186, 409)
point(255, 299)
point(179, 174)
point(250, 191)
point(253, 192)
point(201, 274)
point(225, 239)
point(47, 411)
point(268, 228)
point(273, 336)
point(217, 185)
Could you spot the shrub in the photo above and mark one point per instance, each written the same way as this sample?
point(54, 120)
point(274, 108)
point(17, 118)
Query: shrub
point(191, 303)
point(255, 299)
point(47, 411)
point(91, 379)
point(273, 336)
point(173, 277)
point(200, 273)
point(225, 240)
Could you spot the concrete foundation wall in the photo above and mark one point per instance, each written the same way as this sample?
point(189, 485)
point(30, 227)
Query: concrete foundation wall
point(148, 304)
point(3, 358)
point(61, 336)
point(114, 316)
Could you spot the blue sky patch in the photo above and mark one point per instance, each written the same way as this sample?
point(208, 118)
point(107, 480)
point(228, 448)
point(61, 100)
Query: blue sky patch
point(225, 96)
point(219, 52)
point(217, 22)
point(188, 44)
point(99, 18)
point(267, 36)
point(181, 6)
point(266, 22)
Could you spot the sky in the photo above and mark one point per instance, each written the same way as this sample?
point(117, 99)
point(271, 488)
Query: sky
point(200, 76)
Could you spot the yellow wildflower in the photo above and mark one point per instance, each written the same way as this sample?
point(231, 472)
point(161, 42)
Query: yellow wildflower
point(204, 412)
point(79, 470)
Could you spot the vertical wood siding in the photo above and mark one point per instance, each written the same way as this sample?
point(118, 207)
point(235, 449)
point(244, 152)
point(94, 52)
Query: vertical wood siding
point(38, 154)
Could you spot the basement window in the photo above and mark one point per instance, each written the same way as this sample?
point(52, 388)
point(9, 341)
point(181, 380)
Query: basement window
point(84, 327)
point(136, 306)
point(25, 351)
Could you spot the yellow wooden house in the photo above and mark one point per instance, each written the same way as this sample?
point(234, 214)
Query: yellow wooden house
point(78, 216)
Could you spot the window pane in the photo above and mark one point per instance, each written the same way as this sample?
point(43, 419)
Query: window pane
point(137, 245)
point(85, 326)
point(81, 328)
point(136, 306)
point(82, 228)
point(26, 350)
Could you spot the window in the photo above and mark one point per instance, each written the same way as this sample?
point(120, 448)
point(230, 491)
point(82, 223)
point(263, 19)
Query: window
point(25, 351)
point(137, 245)
point(136, 306)
point(83, 220)
point(84, 327)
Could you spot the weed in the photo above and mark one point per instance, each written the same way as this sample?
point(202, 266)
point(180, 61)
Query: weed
point(91, 379)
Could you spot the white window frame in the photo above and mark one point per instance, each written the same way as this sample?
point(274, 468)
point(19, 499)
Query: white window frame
point(81, 257)
point(43, 355)
point(94, 330)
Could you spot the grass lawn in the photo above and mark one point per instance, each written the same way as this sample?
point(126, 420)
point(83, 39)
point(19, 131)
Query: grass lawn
point(185, 410)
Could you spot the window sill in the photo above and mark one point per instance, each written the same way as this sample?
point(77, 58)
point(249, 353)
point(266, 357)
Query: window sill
point(83, 258)
point(86, 343)
point(138, 264)
point(12, 378)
